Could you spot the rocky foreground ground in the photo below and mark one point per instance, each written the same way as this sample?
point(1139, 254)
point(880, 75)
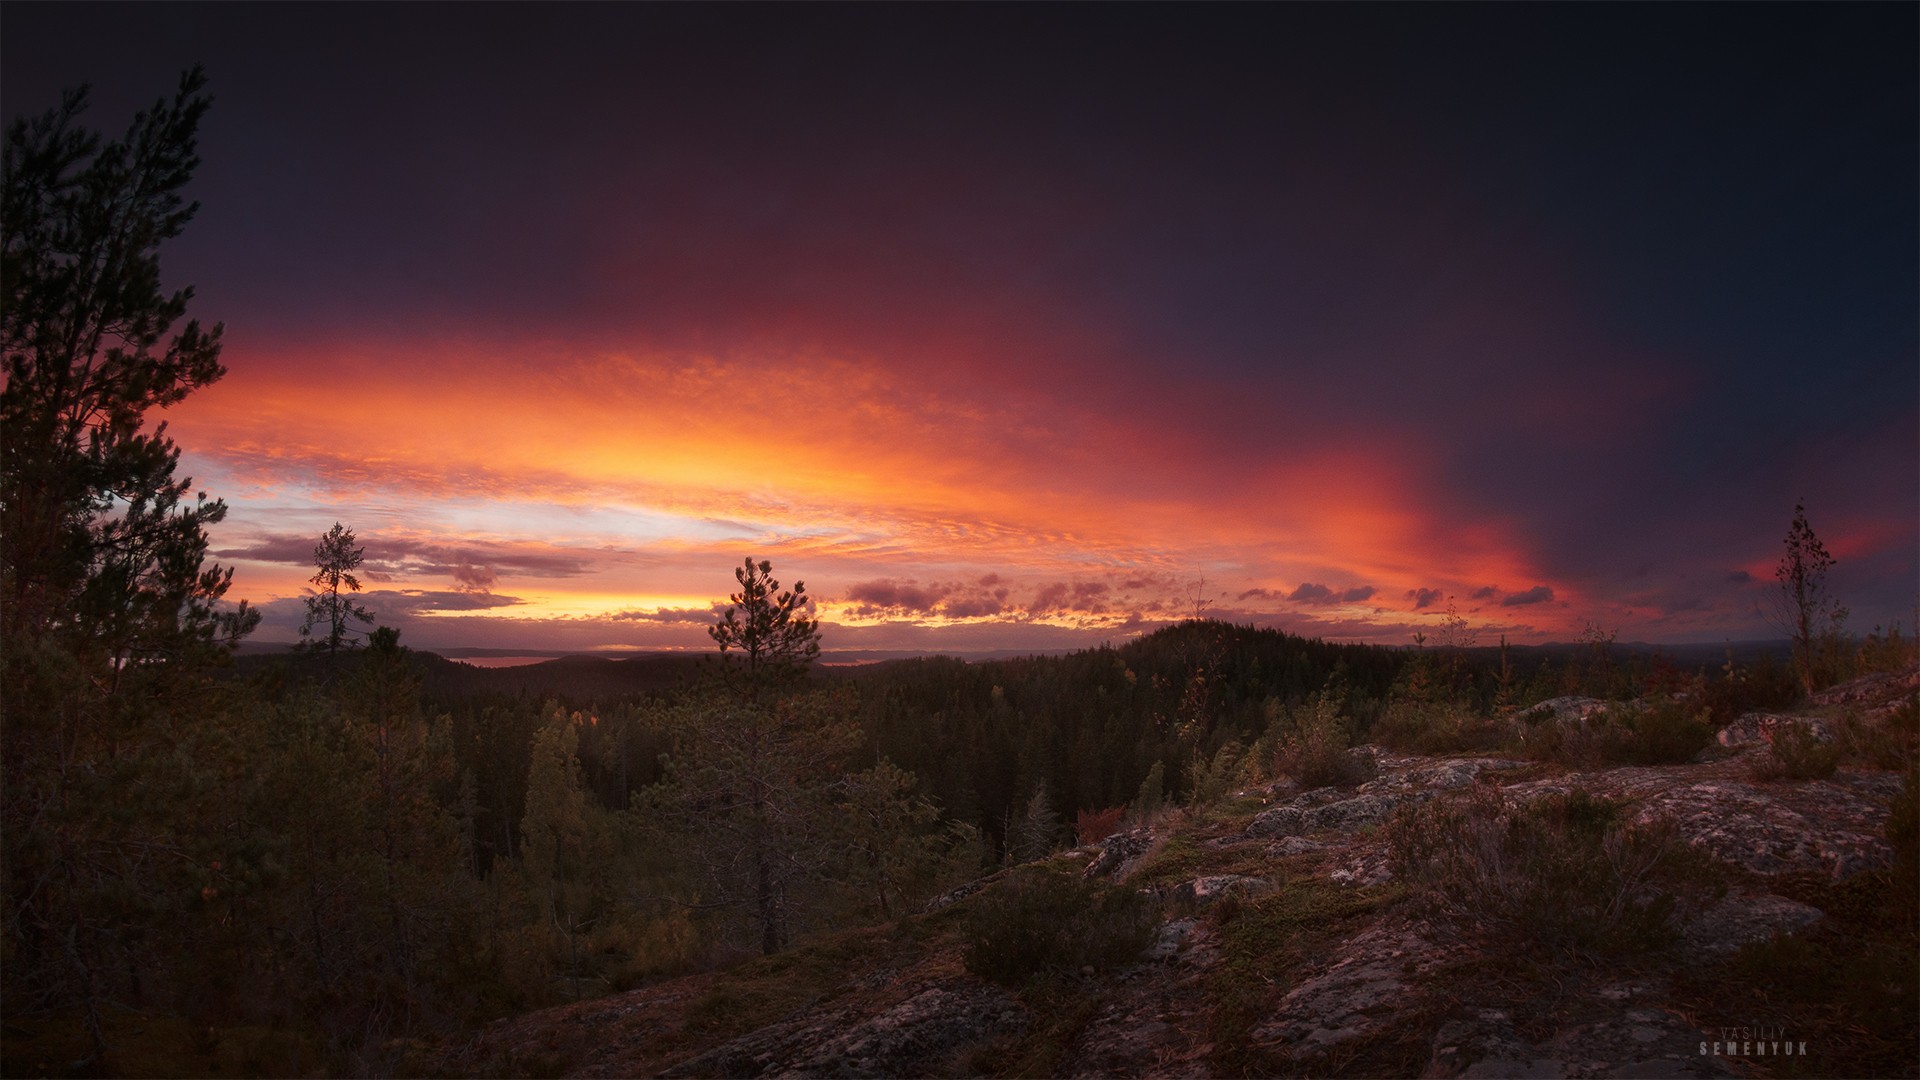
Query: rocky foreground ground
point(1288, 947)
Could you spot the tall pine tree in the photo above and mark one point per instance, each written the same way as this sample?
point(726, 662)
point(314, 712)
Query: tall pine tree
point(109, 611)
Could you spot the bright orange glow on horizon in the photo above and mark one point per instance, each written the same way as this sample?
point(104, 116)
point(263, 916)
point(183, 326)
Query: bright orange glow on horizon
point(617, 490)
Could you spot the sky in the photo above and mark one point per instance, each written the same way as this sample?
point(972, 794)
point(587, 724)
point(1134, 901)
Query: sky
point(1024, 328)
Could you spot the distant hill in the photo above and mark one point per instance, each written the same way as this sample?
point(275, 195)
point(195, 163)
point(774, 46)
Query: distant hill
point(581, 677)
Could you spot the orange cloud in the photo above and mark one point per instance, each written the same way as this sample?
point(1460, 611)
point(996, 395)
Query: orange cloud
point(642, 474)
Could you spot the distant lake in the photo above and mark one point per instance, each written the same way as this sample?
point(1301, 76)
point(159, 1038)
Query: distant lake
point(503, 661)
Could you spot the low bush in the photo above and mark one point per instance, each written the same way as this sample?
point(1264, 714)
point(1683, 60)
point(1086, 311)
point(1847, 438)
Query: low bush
point(1425, 728)
point(1889, 742)
point(1052, 922)
point(1210, 779)
point(1796, 753)
point(1568, 871)
point(1317, 748)
point(1765, 686)
point(1092, 826)
point(1662, 732)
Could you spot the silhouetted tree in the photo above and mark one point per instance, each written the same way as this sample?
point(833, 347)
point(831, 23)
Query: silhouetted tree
point(1803, 606)
point(758, 785)
point(108, 608)
point(772, 630)
point(103, 555)
point(336, 558)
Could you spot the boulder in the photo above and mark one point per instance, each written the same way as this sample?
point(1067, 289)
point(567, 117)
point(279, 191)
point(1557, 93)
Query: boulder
point(1202, 892)
point(1882, 688)
point(1342, 815)
point(1120, 853)
point(1279, 821)
point(1167, 942)
point(1759, 728)
point(1293, 845)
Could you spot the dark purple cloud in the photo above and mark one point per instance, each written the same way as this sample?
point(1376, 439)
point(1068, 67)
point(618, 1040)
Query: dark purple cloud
point(1311, 593)
point(473, 565)
point(872, 597)
point(1539, 594)
point(1424, 598)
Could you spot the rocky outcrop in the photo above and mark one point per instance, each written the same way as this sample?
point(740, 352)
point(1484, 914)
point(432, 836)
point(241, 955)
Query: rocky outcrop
point(1408, 780)
point(1874, 694)
point(920, 1036)
point(1204, 891)
point(1564, 710)
point(1400, 975)
point(1633, 1042)
point(1835, 827)
point(1120, 853)
point(1374, 976)
point(1760, 728)
point(1743, 920)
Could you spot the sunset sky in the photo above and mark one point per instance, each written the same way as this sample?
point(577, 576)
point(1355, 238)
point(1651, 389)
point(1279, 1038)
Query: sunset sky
point(1029, 328)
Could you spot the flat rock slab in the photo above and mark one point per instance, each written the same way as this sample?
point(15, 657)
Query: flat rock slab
point(1426, 775)
point(1378, 973)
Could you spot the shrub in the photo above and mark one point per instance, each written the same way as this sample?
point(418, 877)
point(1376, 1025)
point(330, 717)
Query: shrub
point(1567, 871)
point(1093, 826)
point(1425, 728)
point(1887, 650)
point(1317, 751)
point(1663, 732)
point(1892, 742)
point(1767, 685)
point(1050, 921)
point(1667, 732)
point(1795, 753)
point(1210, 780)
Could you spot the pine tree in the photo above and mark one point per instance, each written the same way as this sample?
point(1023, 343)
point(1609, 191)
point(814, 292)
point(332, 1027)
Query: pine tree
point(772, 630)
point(103, 554)
point(109, 611)
point(758, 784)
point(336, 558)
point(1038, 832)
